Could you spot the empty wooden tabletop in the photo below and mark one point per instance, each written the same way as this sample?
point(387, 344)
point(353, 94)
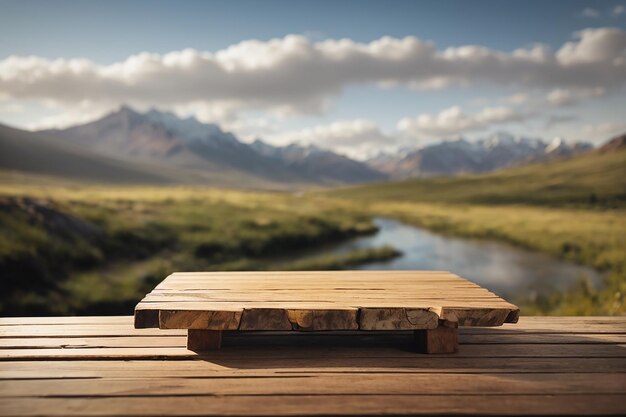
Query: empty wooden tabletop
point(102, 366)
point(328, 300)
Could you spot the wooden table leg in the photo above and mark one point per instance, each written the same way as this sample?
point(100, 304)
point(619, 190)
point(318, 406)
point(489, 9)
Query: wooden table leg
point(199, 340)
point(443, 339)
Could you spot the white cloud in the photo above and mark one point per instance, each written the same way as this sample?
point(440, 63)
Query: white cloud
point(357, 138)
point(251, 128)
point(618, 10)
point(603, 131)
point(454, 121)
point(593, 46)
point(590, 12)
point(64, 119)
point(9, 107)
point(564, 97)
point(60, 117)
point(294, 74)
point(222, 112)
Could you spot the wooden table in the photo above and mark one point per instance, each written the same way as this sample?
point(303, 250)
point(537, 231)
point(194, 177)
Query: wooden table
point(431, 303)
point(102, 366)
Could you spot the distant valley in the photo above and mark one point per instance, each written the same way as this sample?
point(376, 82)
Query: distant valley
point(159, 147)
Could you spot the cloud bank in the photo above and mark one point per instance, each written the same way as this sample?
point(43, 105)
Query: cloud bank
point(357, 138)
point(293, 74)
point(454, 121)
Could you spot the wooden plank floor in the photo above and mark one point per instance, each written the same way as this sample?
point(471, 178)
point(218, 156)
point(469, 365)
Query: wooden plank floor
point(103, 366)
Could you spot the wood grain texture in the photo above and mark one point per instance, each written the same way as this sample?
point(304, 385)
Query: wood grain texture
point(318, 301)
point(104, 367)
point(200, 319)
point(201, 340)
point(308, 351)
point(442, 339)
point(290, 405)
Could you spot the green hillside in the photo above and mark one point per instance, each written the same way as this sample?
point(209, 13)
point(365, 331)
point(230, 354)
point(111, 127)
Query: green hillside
point(595, 179)
point(29, 152)
point(27, 155)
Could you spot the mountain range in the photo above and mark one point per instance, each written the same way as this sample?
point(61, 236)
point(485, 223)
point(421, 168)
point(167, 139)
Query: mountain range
point(161, 138)
point(322, 164)
point(131, 146)
point(27, 152)
point(500, 150)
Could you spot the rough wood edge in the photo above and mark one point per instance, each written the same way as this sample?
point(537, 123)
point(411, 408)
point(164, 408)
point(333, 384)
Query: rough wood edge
point(146, 319)
point(513, 316)
point(199, 319)
point(324, 319)
point(200, 340)
point(265, 319)
point(397, 318)
point(369, 319)
point(482, 317)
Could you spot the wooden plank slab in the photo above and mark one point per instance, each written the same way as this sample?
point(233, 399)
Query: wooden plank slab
point(337, 384)
point(258, 368)
point(288, 352)
point(356, 405)
point(336, 300)
point(179, 341)
point(123, 324)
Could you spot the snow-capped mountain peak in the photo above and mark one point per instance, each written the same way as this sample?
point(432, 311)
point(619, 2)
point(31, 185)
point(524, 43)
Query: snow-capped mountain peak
point(188, 128)
point(496, 151)
point(554, 145)
point(499, 139)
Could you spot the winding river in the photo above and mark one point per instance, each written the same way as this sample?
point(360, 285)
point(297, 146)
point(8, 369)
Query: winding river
point(504, 269)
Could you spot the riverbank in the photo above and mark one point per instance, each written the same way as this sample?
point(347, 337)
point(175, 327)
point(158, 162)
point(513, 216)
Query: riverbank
point(592, 238)
point(76, 249)
point(512, 272)
point(98, 250)
point(571, 208)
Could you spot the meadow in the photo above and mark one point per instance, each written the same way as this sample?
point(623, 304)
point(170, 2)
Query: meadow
point(76, 248)
point(72, 249)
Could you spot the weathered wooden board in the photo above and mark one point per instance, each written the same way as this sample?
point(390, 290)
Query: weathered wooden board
point(278, 351)
point(319, 301)
point(122, 325)
point(291, 405)
point(126, 340)
point(542, 365)
point(339, 384)
point(47, 368)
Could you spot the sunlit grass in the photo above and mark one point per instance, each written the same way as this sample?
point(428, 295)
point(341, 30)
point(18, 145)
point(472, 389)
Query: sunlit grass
point(141, 234)
point(573, 209)
point(597, 180)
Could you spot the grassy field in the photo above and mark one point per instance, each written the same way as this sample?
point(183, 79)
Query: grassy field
point(72, 248)
point(596, 180)
point(573, 209)
point(67, 249)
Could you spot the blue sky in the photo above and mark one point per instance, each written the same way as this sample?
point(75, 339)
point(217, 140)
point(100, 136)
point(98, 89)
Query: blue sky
point(108, 32)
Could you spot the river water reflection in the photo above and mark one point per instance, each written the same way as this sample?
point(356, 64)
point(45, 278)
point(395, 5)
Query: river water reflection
point(504, 269)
